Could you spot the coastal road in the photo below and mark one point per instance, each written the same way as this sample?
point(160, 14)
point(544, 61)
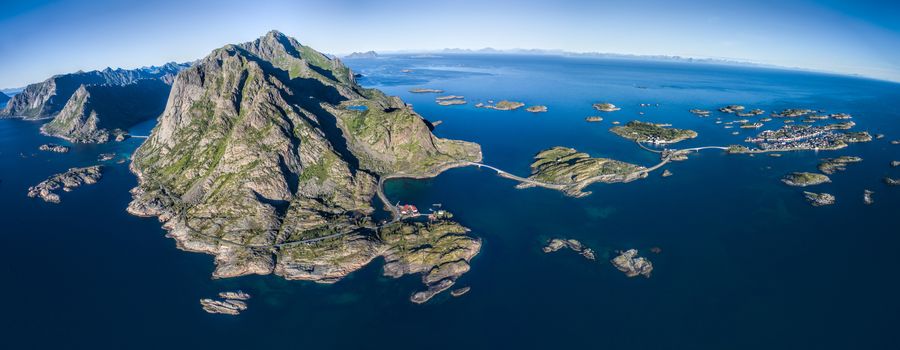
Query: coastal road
point(395, 212)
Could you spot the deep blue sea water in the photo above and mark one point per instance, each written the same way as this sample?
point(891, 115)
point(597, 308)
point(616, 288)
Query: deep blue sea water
point(746, 263)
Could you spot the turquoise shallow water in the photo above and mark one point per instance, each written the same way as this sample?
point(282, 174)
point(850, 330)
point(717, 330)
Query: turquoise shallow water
point(745, 261)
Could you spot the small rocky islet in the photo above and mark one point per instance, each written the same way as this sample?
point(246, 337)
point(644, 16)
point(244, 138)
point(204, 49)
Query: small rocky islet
point(232, 303)
point(867, 197)
point(52, 147)
point(632, 265)
point(103, 157)
point(803, 179)
point(67, 181)
point(833, 165)
point(426, 91)
point(700, 112)
point(731, 109)
point(556, 244)
point(627, 261)
point(450, 100)
point(503, 105)
point(537, 109)
point(819, 199)
point(460, 291)
point(605, 107)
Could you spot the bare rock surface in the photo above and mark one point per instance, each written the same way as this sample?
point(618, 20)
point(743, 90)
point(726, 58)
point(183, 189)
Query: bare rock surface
point(66, 181)
point(267, 156)
point(632, 265)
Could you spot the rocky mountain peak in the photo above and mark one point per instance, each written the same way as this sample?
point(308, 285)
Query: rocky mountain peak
point(257, 144)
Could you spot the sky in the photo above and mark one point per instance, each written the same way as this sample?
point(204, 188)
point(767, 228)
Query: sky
point(40, 38)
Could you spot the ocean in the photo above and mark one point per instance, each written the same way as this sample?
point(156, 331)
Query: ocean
point(745, 261)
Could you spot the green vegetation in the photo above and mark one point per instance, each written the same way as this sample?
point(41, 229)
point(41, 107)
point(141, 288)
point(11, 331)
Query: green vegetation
point(575, 170)
point(833, 165)
point(803, 179)
point(653, 133)
point(508, 105)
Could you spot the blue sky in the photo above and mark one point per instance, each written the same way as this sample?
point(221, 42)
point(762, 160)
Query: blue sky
point(45, 37)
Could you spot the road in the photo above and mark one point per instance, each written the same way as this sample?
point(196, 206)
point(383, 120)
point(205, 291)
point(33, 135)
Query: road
point(395, 212)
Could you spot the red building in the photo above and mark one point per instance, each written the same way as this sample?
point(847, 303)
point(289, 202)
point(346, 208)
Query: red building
point(408, 209)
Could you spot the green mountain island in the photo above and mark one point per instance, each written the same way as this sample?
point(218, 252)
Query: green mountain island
point(268, 156)
point(91, 107)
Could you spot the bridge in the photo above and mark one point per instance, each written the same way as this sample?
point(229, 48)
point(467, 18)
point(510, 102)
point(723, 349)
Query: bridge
point(667, 155)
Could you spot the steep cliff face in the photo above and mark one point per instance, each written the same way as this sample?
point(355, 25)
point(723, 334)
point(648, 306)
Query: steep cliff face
point(257, 156)
point(46, 99)
point(95, 111)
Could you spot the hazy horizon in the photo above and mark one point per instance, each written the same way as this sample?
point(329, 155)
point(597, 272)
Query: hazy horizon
point(43, 38)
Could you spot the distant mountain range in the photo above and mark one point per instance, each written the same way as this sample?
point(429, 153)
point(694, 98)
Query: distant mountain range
point(489, 50)
point(367, 54)
point(87, 105)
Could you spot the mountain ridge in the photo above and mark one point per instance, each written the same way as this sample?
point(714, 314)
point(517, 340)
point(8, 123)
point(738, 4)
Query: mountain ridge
point(258, 149)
